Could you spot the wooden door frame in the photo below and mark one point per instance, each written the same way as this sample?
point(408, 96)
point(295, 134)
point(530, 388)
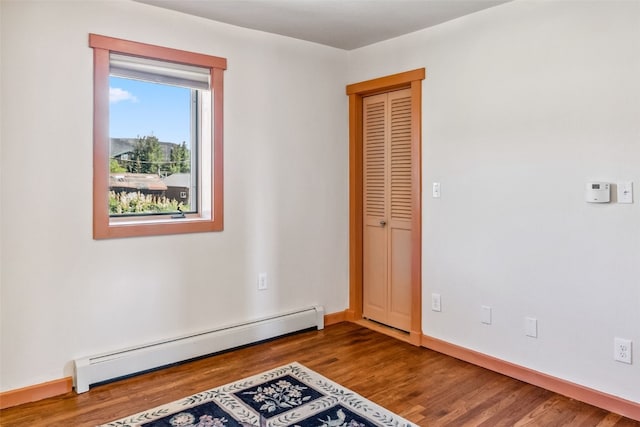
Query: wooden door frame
point(413, 80)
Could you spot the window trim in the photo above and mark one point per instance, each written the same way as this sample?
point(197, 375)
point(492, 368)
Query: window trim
point(103, 226)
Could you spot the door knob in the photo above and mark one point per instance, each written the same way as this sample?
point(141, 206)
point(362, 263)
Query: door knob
point(383, 222)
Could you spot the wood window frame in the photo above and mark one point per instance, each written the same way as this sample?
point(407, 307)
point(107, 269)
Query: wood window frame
point(357, 91)
point(103, 226)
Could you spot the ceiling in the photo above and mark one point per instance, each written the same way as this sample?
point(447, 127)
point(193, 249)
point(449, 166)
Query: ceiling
point(344, 24)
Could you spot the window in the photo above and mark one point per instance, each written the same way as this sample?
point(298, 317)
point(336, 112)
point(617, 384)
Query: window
point(157, 140)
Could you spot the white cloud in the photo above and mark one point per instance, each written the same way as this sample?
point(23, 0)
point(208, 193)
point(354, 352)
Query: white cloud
point(116, 95)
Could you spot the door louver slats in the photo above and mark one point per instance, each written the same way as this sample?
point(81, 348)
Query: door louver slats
point(374, 155)
point(400, 159)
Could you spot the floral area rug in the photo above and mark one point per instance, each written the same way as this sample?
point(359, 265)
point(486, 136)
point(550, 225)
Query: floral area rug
point(291, 395)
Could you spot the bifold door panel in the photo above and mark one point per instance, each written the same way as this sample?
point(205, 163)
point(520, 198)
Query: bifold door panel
point(387, 208)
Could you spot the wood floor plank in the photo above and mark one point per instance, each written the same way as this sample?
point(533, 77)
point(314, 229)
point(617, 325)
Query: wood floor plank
point(426, 387)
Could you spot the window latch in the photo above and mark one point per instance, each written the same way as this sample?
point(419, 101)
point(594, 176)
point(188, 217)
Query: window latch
point(179, 215)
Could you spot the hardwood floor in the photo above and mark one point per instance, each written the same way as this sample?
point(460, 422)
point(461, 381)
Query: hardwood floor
point(428, 388)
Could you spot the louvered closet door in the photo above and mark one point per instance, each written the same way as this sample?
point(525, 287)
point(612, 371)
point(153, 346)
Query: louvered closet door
point(375, 182)
point(387, 208)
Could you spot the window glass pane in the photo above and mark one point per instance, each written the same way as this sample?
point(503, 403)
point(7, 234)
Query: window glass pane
point(153, 148)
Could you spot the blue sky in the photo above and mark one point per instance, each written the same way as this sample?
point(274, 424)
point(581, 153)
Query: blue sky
point(138, 108)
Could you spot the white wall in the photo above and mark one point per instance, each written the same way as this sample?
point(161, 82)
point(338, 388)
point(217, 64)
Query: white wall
point(523, 103)
point(65, 295)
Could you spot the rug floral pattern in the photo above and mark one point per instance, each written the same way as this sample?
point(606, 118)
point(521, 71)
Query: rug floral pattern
point(291, 395)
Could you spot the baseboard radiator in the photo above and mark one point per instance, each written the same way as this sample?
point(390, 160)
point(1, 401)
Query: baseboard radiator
point(121, 363)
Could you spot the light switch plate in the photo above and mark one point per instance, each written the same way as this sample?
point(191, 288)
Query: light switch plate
point(531, 327)
point(486, 315)
point(625, 192)
point(436, 190)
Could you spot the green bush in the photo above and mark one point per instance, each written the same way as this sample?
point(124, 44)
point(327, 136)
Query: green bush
point(114, 166)
point(138, 203)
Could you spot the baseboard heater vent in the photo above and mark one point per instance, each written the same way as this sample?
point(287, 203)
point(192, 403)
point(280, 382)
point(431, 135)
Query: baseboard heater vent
point(104, 367)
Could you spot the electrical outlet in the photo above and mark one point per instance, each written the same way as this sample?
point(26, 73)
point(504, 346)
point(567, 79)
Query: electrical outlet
point(435, 302)
point(262, 281)
point(622, 350)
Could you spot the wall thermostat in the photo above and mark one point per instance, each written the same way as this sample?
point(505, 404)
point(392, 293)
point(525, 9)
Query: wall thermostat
point(597, 192)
